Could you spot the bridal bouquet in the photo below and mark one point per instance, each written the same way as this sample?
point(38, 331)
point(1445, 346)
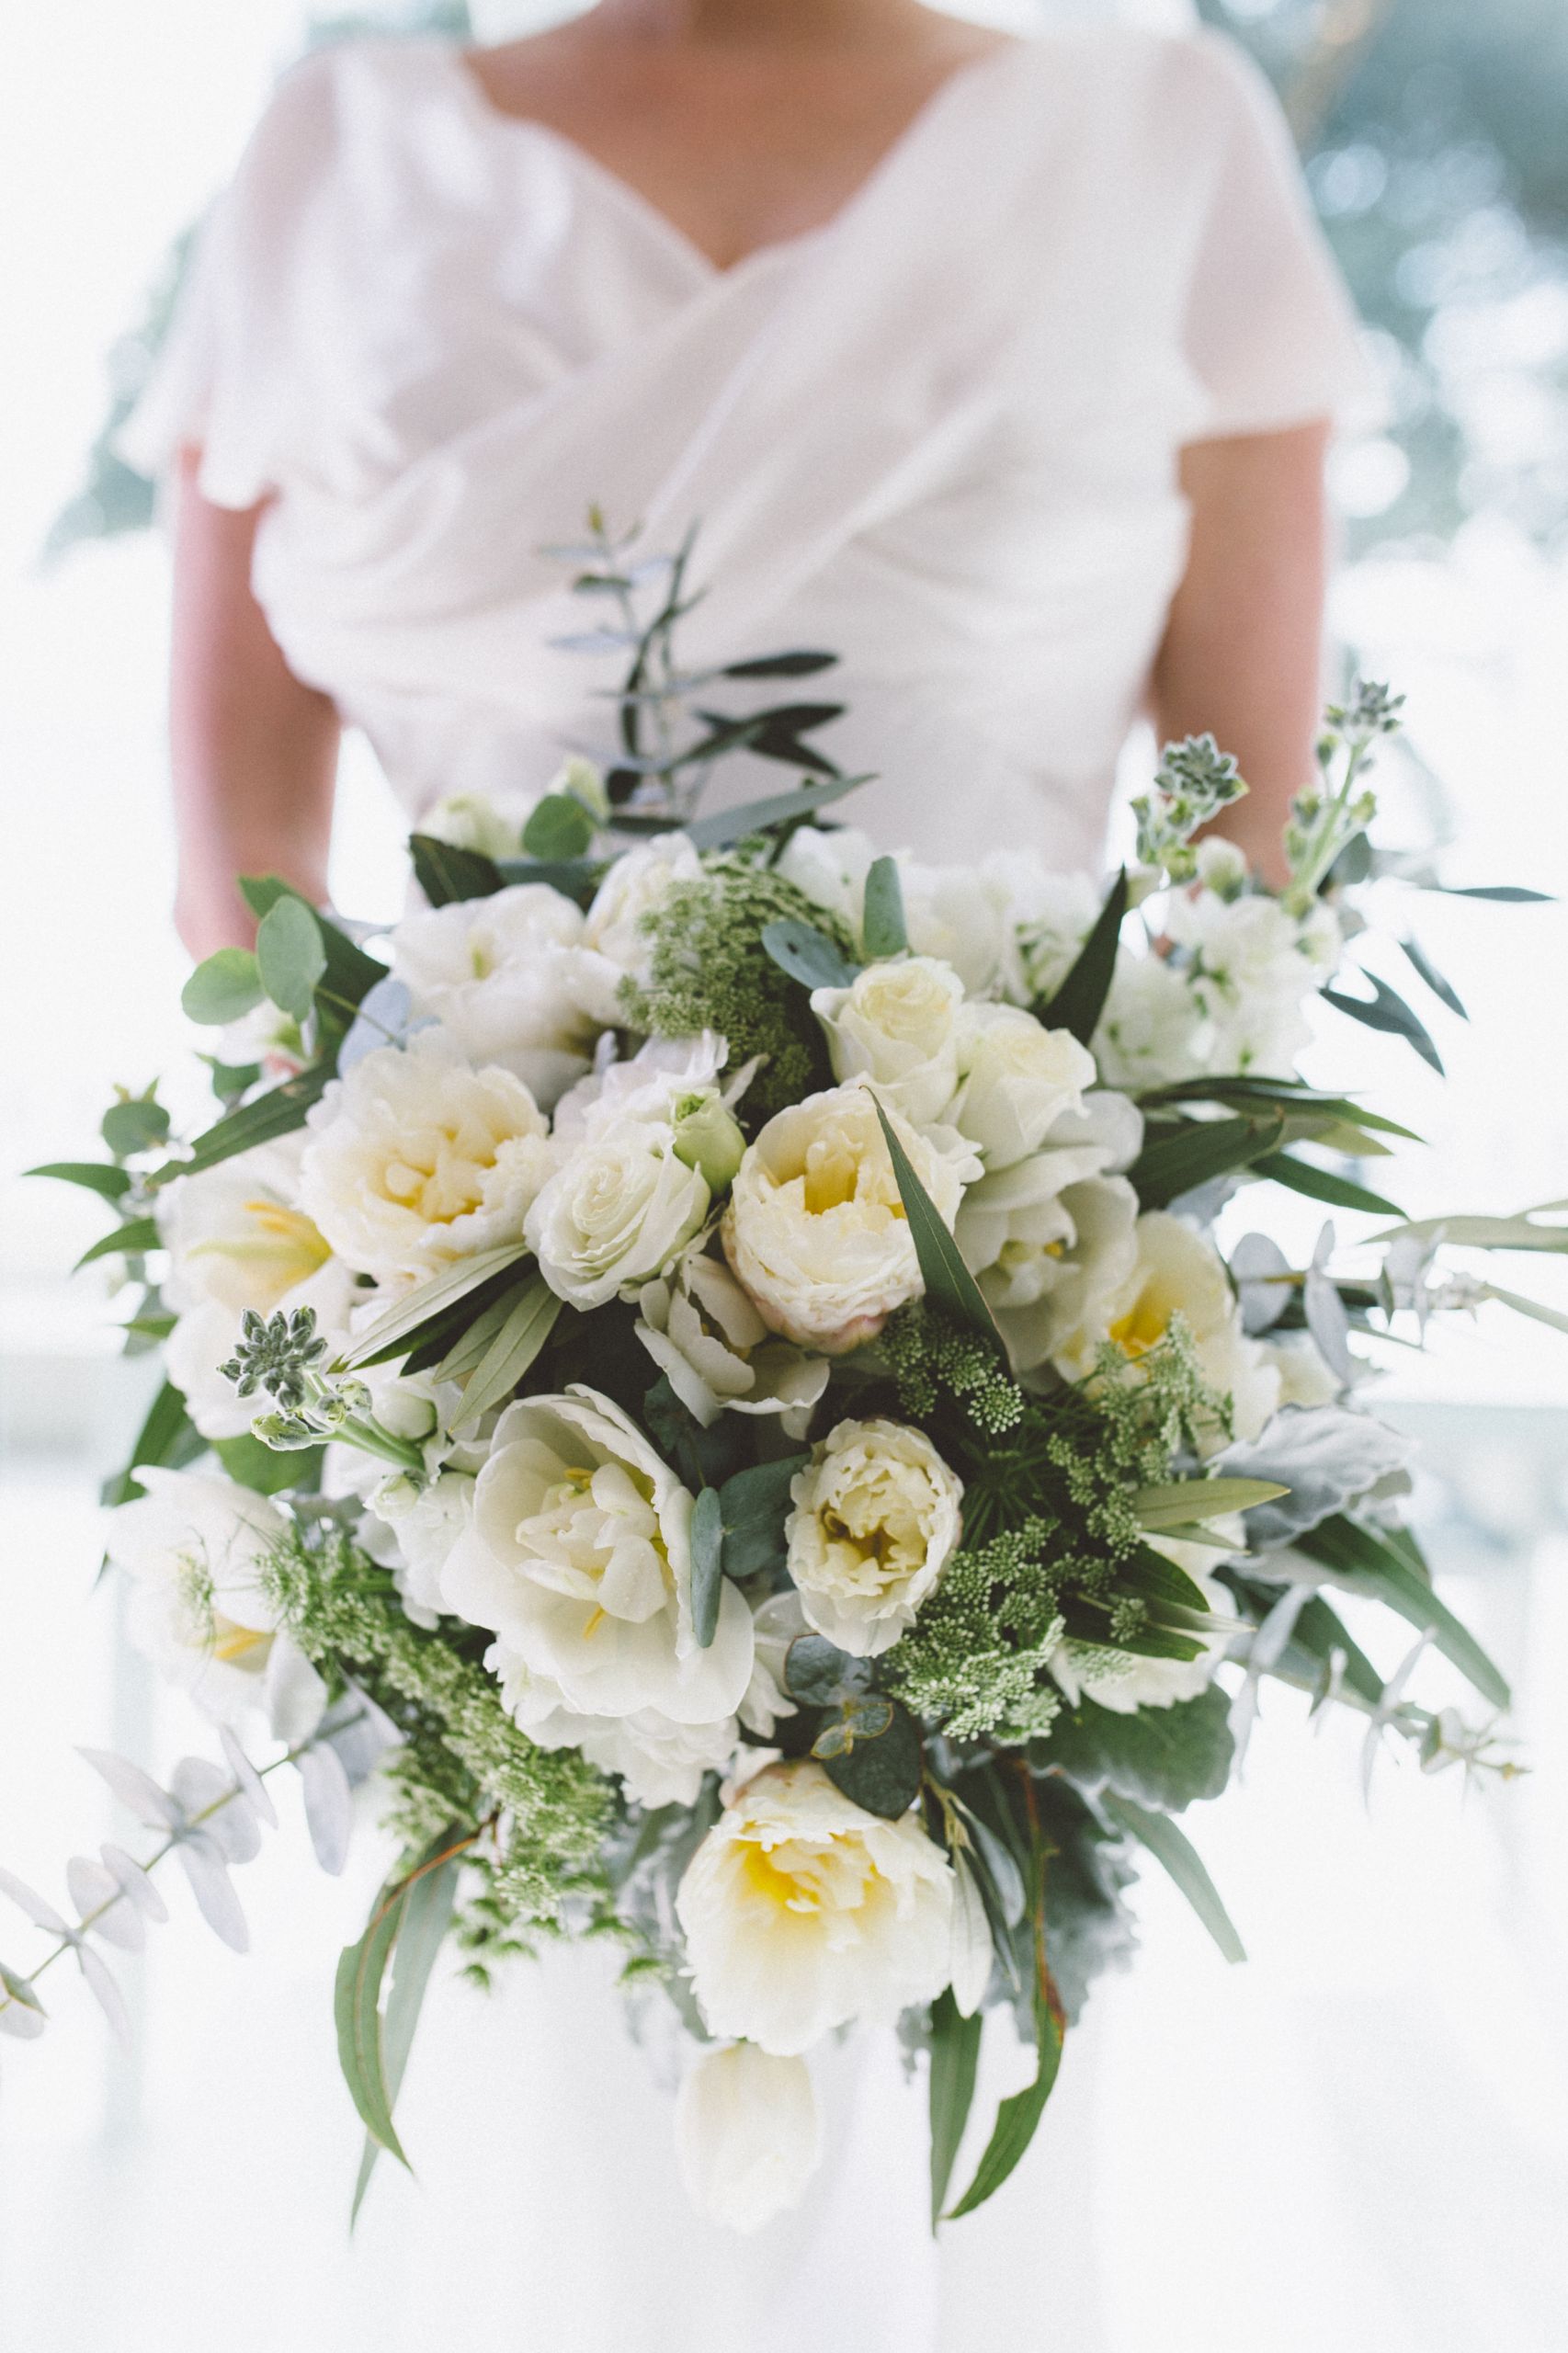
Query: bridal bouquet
point(701, 1367)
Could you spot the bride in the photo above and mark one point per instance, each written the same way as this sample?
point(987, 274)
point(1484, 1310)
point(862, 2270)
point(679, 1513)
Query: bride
point(1003, 368)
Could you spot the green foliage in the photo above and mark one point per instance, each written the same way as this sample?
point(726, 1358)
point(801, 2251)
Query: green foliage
point(1194, 780)
point(1080, 998)
point(224, 987)
point(1165, 1758)
point(463, 1758)
point(974, 1661)
point(948, 1283)
point(709, 970)
point(932, 1359)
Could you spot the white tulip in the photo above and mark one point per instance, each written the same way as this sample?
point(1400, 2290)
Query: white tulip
point(579, 1557)
point(897, 1025)
point(801, 1911)
point(196, 1544)
point(815, 1229)
point(748, 2137)
point(1176, 1271)
point(416, 1160)
point(876, 1519)
point(511, 981)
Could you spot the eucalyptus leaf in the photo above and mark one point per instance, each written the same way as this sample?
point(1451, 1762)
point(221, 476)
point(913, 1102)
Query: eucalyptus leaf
point(807, 955)
point(224, 987)
point(819, 1675)
point(136, 1126)
point(880, 1763)
point(290, 956)
point(882, 928)
point(350, 970)
point(729, 825)
point(755, 1504)
point(780, 666)
point(427, 1913)
point(1503, 893)
point(559, 827)
point(707, 1564)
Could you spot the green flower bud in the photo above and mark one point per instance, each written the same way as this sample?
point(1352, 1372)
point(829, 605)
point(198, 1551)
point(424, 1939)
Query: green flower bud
point(708, 1137)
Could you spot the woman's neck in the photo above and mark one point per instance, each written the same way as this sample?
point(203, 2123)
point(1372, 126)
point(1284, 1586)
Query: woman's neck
point(773, 23)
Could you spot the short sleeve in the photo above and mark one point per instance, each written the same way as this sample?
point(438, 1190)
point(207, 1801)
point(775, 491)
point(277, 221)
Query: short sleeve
point(1269, 331)
point(221, 379)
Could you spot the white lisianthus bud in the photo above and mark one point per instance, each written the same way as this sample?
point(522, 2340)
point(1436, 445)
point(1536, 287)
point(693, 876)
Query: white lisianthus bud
point(579, 1557)
point(875, 1518)
point(815, 1228)
point(1018, 1079)
point(897, 1025)
point(801, 1911)
point(623, 1206)
point(416, 1160)
point(747, 2135)
point(708, 1138)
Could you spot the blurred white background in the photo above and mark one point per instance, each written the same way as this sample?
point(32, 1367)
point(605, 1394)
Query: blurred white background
point(1358, 2141)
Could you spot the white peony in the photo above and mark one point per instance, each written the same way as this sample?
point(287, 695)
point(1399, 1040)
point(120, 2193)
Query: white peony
point(897, 1025)
point(579, 1557)
point(196, 1544)
point(509, 978)
point(1175, 1271)
point(1018, 1079)
point(801, 1911)
point(875, 1518)
point(815, 1228)
point(748, 2137)
point(416, 1160)
point(717, 1353)
point(658, 1761)
point(619, 1210)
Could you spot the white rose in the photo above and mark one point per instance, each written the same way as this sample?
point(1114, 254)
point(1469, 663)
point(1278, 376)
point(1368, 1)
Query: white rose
point(196, 1544)
point(815, 1228)
point(1155, 1029)
point(717, 1353)
point(748, 2137)
point(415, 1160)
point(801, 1911)
point(1175, 1271)
point(635, 887)
point(875, 1518)
point(511, 981)
point(579, 1557)
point(897, 1025)
point(619, 1210)
point(1018, 1079)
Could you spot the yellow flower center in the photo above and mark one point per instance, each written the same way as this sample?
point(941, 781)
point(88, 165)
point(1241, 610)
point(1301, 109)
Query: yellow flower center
point(1141, 1328)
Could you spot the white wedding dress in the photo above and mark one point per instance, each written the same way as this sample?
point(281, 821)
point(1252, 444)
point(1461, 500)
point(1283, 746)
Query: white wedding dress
point(937, 437)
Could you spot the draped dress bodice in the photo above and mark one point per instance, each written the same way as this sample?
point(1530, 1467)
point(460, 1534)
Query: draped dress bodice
point(938, 436)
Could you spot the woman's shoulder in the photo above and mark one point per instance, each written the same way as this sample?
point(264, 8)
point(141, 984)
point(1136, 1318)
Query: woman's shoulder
point(1196, 78)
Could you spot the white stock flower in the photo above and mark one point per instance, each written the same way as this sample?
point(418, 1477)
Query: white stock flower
point(579, 1557)
point(717, 1353)
point(415, 1160)
point(195, 1544)
point(1053, 916)
point(897, 1025)
point(635, 887)
point(875, 1518)
point(620, 1208)
point(748, 2137)
point(801, 1911)
point(1018, 1079)
point(510, 980)
point(1154, 1030)
point(1175, 1271)
point(1253, 967)
point(815, 1228)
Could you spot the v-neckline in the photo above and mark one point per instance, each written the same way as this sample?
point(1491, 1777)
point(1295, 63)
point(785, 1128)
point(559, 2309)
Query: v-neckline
point(643, 208)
